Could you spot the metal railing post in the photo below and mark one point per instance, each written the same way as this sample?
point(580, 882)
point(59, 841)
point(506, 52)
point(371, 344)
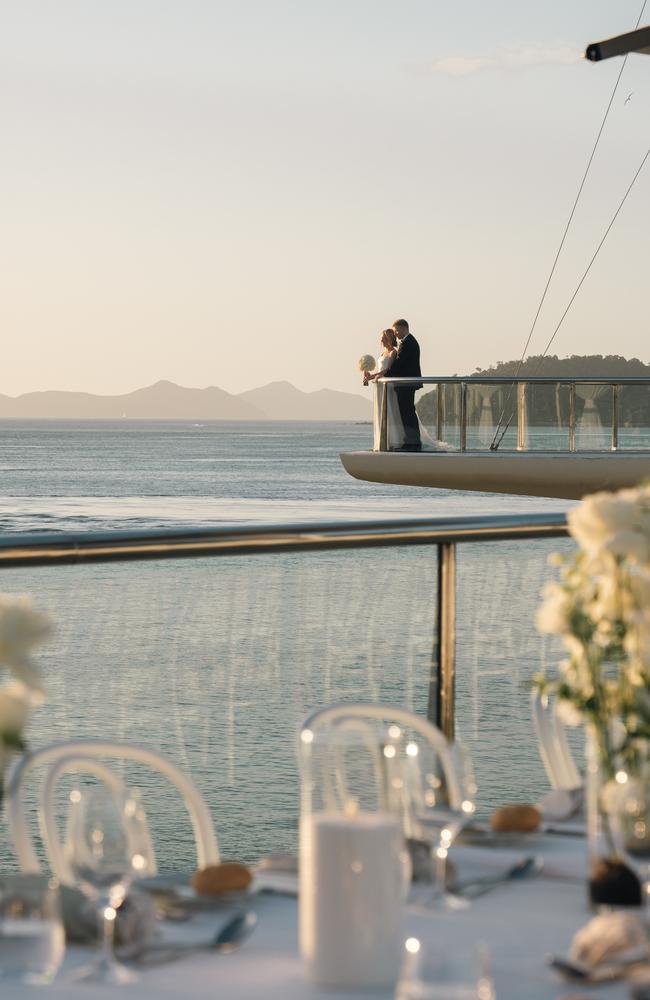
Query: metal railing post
point(463, 416)
point(521, 416)
point(442, 681)
point(383, 425)
point(615, 389)
point(572, 416)
point(438, 412)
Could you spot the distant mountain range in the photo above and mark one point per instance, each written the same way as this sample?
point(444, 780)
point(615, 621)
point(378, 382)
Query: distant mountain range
point(167, 401)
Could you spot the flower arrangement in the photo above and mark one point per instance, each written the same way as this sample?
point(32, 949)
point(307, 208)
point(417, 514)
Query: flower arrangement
point(601, 610)
point(366, 363)
point(21, 628)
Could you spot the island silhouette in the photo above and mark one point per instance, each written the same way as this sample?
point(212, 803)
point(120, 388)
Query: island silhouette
point(165, 400)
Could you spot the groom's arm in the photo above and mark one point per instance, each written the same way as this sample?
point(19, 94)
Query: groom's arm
point(402, 363)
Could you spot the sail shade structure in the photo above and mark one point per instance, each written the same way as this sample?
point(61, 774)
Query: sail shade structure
point(632, 41)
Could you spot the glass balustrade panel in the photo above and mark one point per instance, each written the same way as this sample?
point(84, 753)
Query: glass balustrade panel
point(593, 408)
point(484, 407)
point(215, 662)
point(634, 417)
point(547, 415)
point(499, 650)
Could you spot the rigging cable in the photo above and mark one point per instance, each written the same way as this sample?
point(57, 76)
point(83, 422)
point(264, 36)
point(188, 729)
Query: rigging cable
point(494, 446)
point(498, 438)
point(605, 234)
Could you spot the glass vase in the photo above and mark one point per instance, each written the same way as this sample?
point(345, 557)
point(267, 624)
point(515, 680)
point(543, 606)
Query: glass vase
point(611, 880)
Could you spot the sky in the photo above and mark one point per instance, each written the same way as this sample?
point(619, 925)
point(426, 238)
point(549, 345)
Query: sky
point(232, 192)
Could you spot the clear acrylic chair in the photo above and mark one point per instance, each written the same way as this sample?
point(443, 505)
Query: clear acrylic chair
point(389, 736)
point(554, 749)
point(382, 758)
point(88, 756)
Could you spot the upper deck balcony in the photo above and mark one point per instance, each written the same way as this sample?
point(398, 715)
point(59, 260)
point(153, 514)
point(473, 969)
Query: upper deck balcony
point(541, 436)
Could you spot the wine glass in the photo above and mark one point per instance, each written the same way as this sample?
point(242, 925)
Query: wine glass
point(107, 846)
point(437, 817)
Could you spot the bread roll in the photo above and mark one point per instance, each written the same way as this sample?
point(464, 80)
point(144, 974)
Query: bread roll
point(229, 876)
point(520, 819)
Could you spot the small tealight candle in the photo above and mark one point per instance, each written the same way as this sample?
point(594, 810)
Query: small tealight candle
point(351, 884)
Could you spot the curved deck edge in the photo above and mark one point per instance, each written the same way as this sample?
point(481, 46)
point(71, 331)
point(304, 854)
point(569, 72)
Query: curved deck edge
point(568, 476)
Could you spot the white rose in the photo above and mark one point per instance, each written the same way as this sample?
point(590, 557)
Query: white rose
point(599, 517)
point(639, 581)
point(21, 628)
point(553, 615)
point(630, 543)
point(16, 704)
point(366, 363)
point(568, 713)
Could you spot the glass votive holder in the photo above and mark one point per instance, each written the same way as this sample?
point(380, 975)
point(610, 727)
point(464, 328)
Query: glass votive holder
point(431, 971)
point(32, 938)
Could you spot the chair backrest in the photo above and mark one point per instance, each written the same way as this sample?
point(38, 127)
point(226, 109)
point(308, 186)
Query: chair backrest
point(554, 749)
point(393, 743)
point(85, 755)
point(47, 810)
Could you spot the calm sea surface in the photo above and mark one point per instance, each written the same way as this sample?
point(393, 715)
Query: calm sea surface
point(216, 661)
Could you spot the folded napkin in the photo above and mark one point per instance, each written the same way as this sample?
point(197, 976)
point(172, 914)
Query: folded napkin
point(135, 923)
point(562, 804)
point(277, 873)
point(618, 935)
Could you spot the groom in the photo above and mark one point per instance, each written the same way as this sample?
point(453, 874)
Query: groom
point(406, 365)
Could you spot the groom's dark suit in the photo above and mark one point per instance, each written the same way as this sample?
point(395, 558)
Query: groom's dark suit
point(407, 365)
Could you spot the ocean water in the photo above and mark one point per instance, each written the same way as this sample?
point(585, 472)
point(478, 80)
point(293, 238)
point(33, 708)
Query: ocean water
point(216, 661)
point(71, 476)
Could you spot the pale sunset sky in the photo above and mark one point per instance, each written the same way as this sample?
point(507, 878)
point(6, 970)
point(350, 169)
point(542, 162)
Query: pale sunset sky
point(230, 192)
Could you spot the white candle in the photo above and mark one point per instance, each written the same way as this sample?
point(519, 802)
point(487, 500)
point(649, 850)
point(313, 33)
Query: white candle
point(351, 884)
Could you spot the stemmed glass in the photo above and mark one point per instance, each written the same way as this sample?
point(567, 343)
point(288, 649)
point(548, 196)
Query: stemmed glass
point(437, 817)
point(107, 846)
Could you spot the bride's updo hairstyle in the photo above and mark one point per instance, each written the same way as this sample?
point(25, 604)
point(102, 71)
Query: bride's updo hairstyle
point(388, 338)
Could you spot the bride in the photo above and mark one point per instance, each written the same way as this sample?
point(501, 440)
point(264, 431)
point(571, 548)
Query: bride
point(395, 436)
point(395, 429)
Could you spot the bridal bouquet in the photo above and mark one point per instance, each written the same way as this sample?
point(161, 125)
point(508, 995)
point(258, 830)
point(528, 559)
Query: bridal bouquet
point(21, 628)
point(601, 610)
point(366, 363)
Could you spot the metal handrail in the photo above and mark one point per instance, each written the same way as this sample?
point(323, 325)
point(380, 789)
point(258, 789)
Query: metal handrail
point(512, 380)
point(519, 410)
point(255, 539)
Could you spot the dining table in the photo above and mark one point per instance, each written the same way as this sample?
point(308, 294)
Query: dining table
point(520, 921)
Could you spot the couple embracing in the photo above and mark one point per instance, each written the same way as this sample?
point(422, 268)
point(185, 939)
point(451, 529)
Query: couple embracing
point(400, 358)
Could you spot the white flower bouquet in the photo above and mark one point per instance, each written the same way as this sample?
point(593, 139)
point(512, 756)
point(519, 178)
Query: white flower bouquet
point(21, 628)
point(366, 363)
point(601, 610)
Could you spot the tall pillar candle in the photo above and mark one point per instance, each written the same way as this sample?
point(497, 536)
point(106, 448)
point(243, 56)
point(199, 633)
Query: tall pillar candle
point(351, 886)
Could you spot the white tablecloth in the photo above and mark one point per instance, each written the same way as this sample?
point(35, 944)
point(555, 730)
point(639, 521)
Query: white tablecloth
point(521, 922)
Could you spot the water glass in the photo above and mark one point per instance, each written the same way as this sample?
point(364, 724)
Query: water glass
point(433, 972)
point(32, 939)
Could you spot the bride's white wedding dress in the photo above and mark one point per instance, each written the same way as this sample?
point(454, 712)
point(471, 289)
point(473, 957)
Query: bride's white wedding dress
point(395, 429)
point(395, 426)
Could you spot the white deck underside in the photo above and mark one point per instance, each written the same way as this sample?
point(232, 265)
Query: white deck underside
point(570, 476)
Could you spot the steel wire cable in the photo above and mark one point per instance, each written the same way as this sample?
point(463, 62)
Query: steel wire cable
point(498, 438)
